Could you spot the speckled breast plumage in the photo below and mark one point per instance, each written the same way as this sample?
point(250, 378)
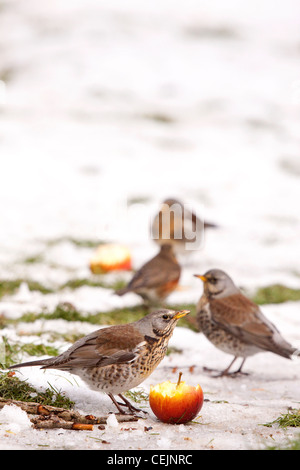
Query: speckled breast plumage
point(117, 378)
point(219, 337)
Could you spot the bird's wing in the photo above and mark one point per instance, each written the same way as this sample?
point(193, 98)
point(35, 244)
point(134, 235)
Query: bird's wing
point(154, 273)
point(243, 318)
point(112, 345)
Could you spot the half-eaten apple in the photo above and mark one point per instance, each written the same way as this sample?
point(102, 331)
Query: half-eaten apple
point(175, 403)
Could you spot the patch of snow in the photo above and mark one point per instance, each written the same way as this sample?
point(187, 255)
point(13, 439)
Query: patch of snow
point(14, 419)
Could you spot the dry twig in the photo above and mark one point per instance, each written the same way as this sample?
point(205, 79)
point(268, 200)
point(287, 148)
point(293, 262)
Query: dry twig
point(51, 417)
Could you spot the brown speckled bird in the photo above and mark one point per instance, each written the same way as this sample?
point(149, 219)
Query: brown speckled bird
point(117, 358)
point(235, 324)
point(177, 225)
point(156, 279)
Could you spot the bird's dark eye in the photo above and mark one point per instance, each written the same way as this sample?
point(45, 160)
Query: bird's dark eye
point(165, 316)
point(213, 280)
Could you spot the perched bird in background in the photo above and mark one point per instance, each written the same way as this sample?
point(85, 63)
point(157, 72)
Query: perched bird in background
point(156, 279)
point(235, 324)
point(117, 358)
point(177, 225)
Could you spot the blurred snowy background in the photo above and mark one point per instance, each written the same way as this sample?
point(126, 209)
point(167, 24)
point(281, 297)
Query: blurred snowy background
point(104, 102)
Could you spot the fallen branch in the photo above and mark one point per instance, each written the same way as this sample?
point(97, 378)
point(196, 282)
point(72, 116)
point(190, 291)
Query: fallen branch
point(50, 417)
point(54, 422)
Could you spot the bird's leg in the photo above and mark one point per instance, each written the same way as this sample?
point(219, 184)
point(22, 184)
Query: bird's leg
point(117, 404)
point(224, 372)
point(146, 302)
point(129, 405)
point(239, 371)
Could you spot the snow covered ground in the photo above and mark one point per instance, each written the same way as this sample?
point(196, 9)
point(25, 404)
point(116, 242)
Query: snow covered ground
point(107, 103)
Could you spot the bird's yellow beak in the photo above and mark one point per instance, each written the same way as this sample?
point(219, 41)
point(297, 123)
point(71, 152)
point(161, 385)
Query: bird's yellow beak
point(201, 276)
point(181, 314)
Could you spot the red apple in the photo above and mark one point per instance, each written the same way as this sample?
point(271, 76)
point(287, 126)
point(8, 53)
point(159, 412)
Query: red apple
point(110, 257)
point(175, 403)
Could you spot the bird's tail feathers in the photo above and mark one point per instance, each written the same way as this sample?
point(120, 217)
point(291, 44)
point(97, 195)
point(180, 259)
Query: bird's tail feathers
point(288, 352)
point(210, 225)
point(40, 362)
point(121, 292)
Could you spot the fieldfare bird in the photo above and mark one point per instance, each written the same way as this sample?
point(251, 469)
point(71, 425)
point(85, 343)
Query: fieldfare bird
point(117, 358)
point(156, 279)
point(176, 224)
point(235, 324)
